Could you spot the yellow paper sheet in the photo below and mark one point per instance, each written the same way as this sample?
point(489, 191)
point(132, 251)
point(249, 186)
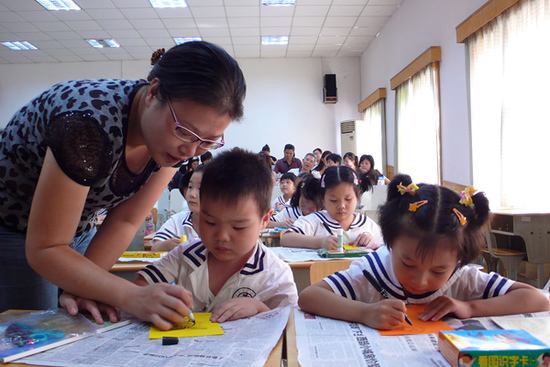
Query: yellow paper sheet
point(419, 326)
point(203, 327)
point(351, 247)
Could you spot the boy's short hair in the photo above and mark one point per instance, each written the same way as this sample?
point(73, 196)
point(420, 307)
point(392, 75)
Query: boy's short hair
point(288, 176)
point(235, 174)
point(336, 158)
point(206, 156)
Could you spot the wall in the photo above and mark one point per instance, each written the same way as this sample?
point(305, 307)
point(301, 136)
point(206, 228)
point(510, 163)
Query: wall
point(417, 25)
point(283, 104)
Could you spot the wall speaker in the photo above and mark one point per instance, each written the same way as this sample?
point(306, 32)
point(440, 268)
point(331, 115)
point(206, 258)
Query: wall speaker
point(329, 89)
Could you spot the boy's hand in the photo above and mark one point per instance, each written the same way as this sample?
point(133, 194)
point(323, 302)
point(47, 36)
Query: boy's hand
point(165, 305)
point(238, 308)
point(365, 240)
point(444, 305)
point(329, 242)
point(386, 314)
point(73, 305)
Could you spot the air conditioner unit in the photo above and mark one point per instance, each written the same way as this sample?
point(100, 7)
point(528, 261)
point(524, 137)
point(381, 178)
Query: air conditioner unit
point(350, 133)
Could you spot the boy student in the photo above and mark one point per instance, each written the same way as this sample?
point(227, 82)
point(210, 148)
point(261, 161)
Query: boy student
point(228, 271)
point(287, 185)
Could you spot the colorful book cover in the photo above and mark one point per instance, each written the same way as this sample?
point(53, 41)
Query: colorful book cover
point(493, 348)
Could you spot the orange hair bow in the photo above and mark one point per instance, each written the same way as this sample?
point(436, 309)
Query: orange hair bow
point(466, 196)
point(411, 188)
point(413, 207)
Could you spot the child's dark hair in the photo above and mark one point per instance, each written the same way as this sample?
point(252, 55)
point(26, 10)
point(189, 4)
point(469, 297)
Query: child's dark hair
point(236, 174)
point(365, 184)
point(309, 188)
point(433, 212)
point(336, 158)
point(206, 156)
point(321, 164)
point(186, 178)
point(351, 156)
point(336, 175)
point(288, 176)
point(202, 72)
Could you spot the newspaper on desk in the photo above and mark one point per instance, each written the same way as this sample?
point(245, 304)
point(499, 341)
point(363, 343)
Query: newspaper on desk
point(247, 342)
point(296, 254)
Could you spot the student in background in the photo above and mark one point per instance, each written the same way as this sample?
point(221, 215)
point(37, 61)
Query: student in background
point(366, 167)
point(266, 150)
point(185, 223)
point(206, 157)
point(229, 272)
point(306, 200)
point(289, 161)
point(350, 160)
point(287, 187)
point(333, 160)
point(192, 164)
point(322, 165)
point(307, 165)
point(340, 195)
point(432, 234)
point(317, 152)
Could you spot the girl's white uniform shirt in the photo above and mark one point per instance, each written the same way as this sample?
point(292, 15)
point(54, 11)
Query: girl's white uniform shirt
point(177, 225)
point(466, 283)
point(321, 224)
point(264, 277)
point(281, 200)
point(290, 212)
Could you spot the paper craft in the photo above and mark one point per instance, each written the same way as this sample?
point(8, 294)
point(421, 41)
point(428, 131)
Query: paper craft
point(418, 326)
point(203, 327)
point(141, 254)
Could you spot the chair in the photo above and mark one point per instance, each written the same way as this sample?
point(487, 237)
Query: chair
point(509, 259)
point(320, 269)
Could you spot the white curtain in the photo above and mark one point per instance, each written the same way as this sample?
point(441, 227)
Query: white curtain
point(510, 107)
point(417, 121)
point(374, 136)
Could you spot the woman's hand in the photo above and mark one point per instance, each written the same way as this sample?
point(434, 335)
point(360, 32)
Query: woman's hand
point(73, 305)
point(238, 308)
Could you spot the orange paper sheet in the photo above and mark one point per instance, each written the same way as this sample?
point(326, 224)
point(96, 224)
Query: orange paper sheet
point(419, 326)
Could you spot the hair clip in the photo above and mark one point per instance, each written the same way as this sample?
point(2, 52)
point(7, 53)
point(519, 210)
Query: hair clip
point(461, 218)
point(466, 196)
point(411, 188)
point(355, 179)
point(413, 207)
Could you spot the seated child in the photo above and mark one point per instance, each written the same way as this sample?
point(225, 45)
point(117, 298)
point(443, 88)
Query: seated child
point(340, 195)
point(432, 234)
point(287, 186)
point(228, 271)
point(306, 200)
point(184, 222)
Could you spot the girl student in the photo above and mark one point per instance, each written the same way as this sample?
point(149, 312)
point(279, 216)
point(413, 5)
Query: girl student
point(306, 200)
point(340, 192)
point(288, 187)
point(432, 234)
point(366, 168)
point(185, 223)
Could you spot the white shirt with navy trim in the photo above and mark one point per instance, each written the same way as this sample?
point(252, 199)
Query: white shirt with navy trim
point(321, 224)
point(177, 225)
point(264, 277)
point(466, 283)
point(290, 212)
point(281, 200)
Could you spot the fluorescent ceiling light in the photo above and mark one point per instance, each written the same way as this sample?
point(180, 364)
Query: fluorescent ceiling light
point(180, 40)
point(19, 45)
point(274, 40)
point(103, 43)
point(168, 3)
point(58, 4)
point(278, 2)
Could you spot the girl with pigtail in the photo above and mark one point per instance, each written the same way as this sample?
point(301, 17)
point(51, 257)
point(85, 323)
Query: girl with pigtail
point(432, 234)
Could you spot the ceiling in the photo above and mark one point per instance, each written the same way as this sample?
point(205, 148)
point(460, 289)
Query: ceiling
point(316, 28)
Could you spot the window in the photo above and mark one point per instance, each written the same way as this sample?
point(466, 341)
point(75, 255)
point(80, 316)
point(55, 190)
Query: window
point(374, 133)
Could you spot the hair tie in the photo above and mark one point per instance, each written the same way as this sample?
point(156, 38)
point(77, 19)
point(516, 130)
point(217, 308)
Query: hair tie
point(413, 207)
point(461, 218)
point(466, 196)
point(157, 55)
point(411, 188)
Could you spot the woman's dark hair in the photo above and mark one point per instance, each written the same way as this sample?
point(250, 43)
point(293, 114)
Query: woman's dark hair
point(335, 175)
point(373, 173)
point(367, 157)
point(318, 150)
point(202, 72)
point(431, 213)
point(352, 157)
point(365, 184)
point(309, 188)
point(335, 158)
point(321, 164)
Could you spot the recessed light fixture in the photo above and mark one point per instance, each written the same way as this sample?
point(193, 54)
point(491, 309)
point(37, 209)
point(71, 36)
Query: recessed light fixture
point(278, 2)
point(103, 43)
point(19, 45)
point(180, 40)
point(274, 40)
point(58, 4)
point(159, 4)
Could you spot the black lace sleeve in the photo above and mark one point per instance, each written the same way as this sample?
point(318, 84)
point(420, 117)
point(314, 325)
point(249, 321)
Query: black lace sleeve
point(80, 146)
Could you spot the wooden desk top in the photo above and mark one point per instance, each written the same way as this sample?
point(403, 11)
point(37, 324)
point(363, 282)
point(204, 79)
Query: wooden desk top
point(291, 346)
point(136, 266)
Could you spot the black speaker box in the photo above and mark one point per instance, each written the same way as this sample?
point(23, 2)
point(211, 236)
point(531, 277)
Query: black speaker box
point(329, 89)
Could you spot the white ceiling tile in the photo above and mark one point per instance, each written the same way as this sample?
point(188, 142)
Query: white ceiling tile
point(348, 53)
point(298, 54)
point(238, 32)
point(241, 2)
point(297, 40)
point(22, 27)
point(357, 41)
point(153, 33)
point(66, 35)
point(7, 36)
point(179, 23)
point(52, 26)
point(41, 58)
point(220, 40)
point(93, 57)
point(147, 23)
point(385, 2)
point(161, 42)
point(301, 47)
point(115, 24)
point(139, 13)
point(379, 10)
point(246, 41)
point(273, 51)
point(115, 53)
point(132, 3)
point(37, 16)
point(247, 51)
point(84, 25)
point(331, 41)
point(214, 32)
point(324, 52)
point(340, 21)
point(328, 31)
point(131, 42)
point(364, 31)
point(305, 31)
point(95, 4)
point(27, 5)
point(277, 11)
point(54, 52)
point(9, 16)
point(123, 33)
point(244, 21)
point(196, 3)
point(211, 22)
point(350, 2)
point(243, 11)
point(275, 31)
point(276, 21)
point(313, 2)
point(80, 43)
point(345, 11)
point(311, 11)
point(71, 15)
point(33, 36)
point(208, 12)
point(174, 13)
point(184, 32)
point(94, 34)
point(69, 58)
point(17, 58)
point(139, 52)
point(105, 14)
point(371, 21)
point(308, 21)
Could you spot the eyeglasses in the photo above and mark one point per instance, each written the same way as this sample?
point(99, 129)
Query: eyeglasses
point(187, 136)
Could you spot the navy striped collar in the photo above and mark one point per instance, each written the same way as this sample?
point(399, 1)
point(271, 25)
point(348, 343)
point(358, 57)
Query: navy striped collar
point(328, 221)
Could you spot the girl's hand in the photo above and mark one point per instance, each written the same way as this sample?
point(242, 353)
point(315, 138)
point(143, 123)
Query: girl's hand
point(329, 242)
point(366, 240)
point(165, 305)
point(386, 314)
point(288, 222)
point(238, 308)
point(279, 207)
point(441, 306)
point(73, 305)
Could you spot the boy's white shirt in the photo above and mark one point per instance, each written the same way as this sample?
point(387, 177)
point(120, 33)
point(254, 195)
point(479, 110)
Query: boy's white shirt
point(281, 200)
point(321, 224)
point(177, 225)
point(466, 283)
point(289, 212)
point(264, 277)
